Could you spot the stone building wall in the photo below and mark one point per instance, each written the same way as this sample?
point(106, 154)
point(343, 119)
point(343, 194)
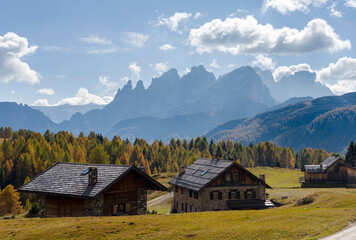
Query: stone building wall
point(187, 201)
point(94, 207)
point(221, 204)
point(42, 205)
point(141, 201)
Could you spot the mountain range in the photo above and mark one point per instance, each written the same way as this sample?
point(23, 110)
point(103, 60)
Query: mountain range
point(195, 104)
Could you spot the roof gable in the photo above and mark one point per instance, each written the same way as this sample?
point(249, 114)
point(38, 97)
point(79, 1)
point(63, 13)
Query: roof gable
point(204, 171)
point(67, 179)
point(323, 166)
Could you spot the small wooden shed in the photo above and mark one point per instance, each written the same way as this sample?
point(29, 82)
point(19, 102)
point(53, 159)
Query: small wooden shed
point(74, 190)
point(332, 170)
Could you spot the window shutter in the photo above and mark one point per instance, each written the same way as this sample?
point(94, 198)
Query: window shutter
point(211, 195)
point(229, 195)
point(220, 195)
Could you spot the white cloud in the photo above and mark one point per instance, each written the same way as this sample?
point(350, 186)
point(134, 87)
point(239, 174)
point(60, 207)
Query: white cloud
point(333, 11)
point(282, 71)
point(135, 39)
point(102, 51)
point(263, 62)
point(286, 6)
point(161, 67)
point(246, 36)
point(12, 49)
point(214, 64)
point(231, 65)
point(93, 39)
point(124, 80)
point(350, 3)
point(173, 21)
point(197, 15)
point(184, 72)
point(83, 97)
point(13, 92)
point(135, 70)
point(106, 85)
point(41, 102)
point(340, 77)
point(166, 47)
point(46, 91)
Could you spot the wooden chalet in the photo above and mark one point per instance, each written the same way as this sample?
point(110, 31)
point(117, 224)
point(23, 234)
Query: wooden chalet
point(331, 170)
point(212, 185)
point(74, 190)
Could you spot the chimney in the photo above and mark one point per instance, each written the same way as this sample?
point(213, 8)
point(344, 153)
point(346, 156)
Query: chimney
point(93, 176)
point(181, 170)
point(141, 167)
point(262, 177)
point(321, 167)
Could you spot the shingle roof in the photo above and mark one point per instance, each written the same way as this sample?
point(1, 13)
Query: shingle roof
point(194, 179)
point(322, 167)
point(67, 179)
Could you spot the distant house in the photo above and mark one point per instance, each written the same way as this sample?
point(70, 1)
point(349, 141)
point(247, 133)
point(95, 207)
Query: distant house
point(212, 185)
point(74, 190)
point(331, 170)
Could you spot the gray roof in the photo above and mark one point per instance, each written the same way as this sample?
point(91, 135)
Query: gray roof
point(67, 179)
point(322, 167)
point(194, 179)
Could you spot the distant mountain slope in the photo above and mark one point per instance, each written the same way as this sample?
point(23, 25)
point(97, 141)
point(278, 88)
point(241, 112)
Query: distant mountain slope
point(19, 116)
point(150, 128)
point(240, 93)
point(327, 122)
point(300, 84)
point(64, 112)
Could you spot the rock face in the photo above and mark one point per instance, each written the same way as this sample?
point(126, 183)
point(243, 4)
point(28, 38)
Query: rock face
point(326, 122)
point(240, 93)
point(300, 84)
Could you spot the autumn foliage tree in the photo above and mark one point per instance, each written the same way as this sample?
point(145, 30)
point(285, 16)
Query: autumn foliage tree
point(10, 201)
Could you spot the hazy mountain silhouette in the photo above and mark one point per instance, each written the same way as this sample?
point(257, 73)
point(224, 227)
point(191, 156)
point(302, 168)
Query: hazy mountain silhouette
point(300, 84)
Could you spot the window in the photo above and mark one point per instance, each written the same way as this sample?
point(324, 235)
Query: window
point(114, 210)
point(181, 190)
point(191, 208)
point(177, 205)
point(176, 189)
point(215, 195)
point(235, 177)
point(250, 193)
point(196, 195)
point(190, 193)
point(234, 195)
point(186, 207)
point(228, 177)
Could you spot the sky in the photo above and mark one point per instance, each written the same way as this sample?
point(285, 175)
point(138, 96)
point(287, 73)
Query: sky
point(80, 52)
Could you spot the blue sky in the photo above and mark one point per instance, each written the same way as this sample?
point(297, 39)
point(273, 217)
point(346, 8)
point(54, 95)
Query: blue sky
point(77, 52)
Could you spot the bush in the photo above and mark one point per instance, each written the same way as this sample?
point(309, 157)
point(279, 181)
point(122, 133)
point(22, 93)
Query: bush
point(35, 208)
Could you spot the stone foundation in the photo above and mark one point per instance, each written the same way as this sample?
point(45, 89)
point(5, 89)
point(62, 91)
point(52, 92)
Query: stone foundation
point(42, 206)
point(94, 207)
point(141, 201)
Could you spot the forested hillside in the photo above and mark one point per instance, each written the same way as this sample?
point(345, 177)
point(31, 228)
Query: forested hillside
point(24, 154)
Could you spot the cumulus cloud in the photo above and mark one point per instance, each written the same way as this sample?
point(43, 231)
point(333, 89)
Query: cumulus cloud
point(340, 77)
point(160, 67)
point(287, 6)
point(41, 102)
point(214, 64)
point(93, 39)
point(166, 47)
point(135, 70)
point(46, 91)
point(135, 39)
point(263, 62)
point(247, 36)
point(12, 68)
point(173, 21)
point(333, 11)
point(350, 3)
point(282, 71)
point(197, 15)
point(83, 97)
point(106, 85)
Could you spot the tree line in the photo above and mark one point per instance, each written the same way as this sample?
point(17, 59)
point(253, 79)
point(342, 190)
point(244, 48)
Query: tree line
point(24, 153)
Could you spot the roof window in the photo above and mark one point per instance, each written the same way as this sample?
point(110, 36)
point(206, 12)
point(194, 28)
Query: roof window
point(205, 171)
point(195, 170)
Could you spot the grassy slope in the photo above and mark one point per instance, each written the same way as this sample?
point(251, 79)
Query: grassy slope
point(331, 211)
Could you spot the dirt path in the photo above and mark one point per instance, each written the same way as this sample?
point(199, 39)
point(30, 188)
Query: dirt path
point(160, 199)
point(346, 234)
